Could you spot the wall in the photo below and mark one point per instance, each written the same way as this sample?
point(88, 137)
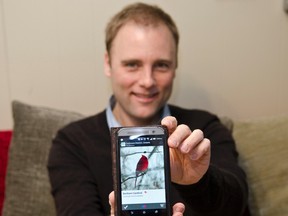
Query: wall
point(233, 55)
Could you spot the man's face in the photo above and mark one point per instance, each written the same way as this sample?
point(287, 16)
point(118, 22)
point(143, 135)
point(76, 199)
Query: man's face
point(141, 67)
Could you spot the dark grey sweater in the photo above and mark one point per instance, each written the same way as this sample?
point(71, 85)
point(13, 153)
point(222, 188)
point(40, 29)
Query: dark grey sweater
point(80, 169)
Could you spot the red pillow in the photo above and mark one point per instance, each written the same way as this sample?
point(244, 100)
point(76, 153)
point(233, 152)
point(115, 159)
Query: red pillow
point(5, 138)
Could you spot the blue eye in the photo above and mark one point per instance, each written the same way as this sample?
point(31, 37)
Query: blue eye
point(162, 66)
point(132, 65)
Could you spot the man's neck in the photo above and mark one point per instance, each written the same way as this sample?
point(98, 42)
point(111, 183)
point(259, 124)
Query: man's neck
point(113, 122)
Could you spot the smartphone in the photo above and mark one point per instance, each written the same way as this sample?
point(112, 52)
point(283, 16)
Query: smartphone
point(141, 170)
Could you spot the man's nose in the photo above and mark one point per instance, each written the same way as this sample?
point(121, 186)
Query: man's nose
point(147, 78)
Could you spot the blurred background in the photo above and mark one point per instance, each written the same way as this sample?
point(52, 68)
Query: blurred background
point(233, 57)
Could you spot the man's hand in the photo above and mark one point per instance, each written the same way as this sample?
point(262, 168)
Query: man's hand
point(178, 208)
point(189, 152)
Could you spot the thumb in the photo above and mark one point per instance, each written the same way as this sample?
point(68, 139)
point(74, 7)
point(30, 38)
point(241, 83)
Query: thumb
point(112, 202)
point(178, 209)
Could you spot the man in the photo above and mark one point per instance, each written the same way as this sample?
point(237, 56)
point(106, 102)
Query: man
point(141, 60)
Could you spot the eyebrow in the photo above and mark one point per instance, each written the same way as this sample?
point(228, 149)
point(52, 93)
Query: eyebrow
point(166, 61)
point(123, 62)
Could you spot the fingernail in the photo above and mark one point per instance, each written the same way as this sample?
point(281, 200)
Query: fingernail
point(173, 143)
point(184, 149)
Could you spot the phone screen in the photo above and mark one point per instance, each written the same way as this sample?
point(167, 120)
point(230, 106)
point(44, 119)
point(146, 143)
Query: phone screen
point(143, 172)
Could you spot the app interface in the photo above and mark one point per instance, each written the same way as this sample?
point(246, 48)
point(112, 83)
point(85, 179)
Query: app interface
point(142, 172)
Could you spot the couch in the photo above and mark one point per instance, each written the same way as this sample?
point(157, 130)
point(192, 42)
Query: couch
point(262, 146)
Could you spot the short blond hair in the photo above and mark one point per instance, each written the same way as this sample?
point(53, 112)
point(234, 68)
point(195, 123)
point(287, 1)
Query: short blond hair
point(143, 14)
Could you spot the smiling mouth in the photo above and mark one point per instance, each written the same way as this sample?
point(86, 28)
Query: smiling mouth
point(146, 96)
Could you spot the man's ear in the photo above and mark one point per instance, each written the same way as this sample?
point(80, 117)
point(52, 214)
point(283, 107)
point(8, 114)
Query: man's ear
point(107, 66)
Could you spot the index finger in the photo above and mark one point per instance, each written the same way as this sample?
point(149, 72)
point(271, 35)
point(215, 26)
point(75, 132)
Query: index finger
point(170, 122)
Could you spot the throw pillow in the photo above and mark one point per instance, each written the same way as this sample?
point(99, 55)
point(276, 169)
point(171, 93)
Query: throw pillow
point(27, 184)
point(263, 149)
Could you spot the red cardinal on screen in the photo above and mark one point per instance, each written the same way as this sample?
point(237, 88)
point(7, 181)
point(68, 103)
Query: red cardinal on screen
point(141, 167)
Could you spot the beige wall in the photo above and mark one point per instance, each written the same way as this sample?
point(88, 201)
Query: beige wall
point(233, 55)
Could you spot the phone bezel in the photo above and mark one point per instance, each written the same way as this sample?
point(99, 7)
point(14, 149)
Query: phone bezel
point(147, 130)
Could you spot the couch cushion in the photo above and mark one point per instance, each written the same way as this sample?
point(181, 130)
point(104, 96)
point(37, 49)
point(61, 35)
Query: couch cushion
point(263, 149)
point(27, 184)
